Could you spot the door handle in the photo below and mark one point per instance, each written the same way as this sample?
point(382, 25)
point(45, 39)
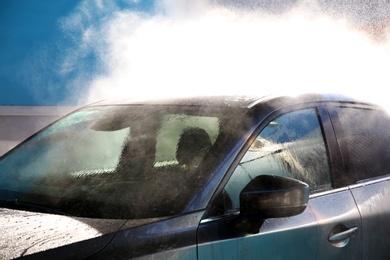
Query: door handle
point(339, 236)
point(343, 235)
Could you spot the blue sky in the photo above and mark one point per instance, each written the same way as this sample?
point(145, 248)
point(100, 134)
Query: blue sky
point(46, 57)
point(33, 45)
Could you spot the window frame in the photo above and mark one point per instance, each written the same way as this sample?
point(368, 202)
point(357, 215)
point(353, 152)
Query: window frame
point(261, 121)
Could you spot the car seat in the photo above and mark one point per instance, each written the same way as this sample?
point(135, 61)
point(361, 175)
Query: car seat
point(192, 147)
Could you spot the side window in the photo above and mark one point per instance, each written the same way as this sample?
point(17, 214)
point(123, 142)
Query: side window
point(291, 145)
point(366, 137)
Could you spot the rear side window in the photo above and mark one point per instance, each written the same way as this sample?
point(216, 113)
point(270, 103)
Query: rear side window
point(365, 139)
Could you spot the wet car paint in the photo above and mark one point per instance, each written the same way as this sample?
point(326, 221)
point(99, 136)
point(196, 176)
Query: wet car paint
point(174, 238)
point(332, 209)
point(25, 233)
point(373, 201)
point(304, 236)
point(274, 235)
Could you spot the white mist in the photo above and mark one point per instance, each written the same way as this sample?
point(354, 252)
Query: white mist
point(196, 48)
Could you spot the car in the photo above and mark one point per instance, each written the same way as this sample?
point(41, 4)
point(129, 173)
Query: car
point(217, 177)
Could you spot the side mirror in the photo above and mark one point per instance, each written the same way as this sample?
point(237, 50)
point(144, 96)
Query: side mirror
point(269, 196)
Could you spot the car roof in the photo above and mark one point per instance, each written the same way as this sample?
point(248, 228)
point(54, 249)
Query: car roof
point(234, 101)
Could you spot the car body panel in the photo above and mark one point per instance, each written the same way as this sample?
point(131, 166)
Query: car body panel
point(335, 212)
point(174, 237)
point(25, 233)
point(372, 198)
point(292, 237)
point(304, 236)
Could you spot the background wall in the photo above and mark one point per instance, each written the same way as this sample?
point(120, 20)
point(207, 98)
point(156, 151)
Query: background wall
point(19, 122)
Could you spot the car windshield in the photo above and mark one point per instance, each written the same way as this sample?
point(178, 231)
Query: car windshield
point(112, 161)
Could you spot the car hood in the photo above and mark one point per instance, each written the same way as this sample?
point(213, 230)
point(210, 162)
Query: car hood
point(24, 233)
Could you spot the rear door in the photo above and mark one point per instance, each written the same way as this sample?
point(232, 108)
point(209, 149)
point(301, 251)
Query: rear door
point(364, 137)
point(296, 142)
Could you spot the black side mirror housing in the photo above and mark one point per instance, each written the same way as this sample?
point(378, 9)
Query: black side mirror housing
point(269, 196)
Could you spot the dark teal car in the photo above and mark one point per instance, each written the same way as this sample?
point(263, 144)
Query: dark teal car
point(276, 177)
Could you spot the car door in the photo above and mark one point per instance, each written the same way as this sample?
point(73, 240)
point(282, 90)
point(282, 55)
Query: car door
point(364, 139)
point(290, 143)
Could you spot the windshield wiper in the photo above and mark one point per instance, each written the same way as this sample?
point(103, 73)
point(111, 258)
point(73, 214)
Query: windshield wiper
point(22, 205)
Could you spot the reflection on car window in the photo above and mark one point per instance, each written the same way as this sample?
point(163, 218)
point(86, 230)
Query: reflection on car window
point(111, 162)
point(367, 138)
point(292, 145)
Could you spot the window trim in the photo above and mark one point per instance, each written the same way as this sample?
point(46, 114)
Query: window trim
point(262, 121)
